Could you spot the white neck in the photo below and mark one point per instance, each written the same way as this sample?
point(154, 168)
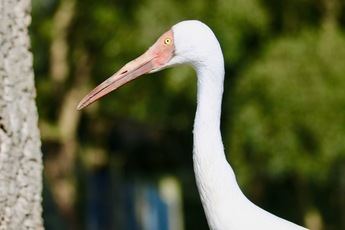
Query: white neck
point(212, 171)
point(224, 204)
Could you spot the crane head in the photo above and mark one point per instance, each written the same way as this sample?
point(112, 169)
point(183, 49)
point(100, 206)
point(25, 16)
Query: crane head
point(189, 42)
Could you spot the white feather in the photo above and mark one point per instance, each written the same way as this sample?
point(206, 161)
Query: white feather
point(224, 204)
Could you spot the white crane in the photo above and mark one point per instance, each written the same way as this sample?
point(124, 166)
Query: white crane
point(193, 43)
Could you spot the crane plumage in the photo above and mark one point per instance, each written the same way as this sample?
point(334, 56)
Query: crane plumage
point(194, 43)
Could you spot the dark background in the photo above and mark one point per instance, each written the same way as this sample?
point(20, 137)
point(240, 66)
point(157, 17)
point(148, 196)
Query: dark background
point(283, 121)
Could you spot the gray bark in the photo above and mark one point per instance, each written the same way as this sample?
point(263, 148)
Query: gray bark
point(20, 154)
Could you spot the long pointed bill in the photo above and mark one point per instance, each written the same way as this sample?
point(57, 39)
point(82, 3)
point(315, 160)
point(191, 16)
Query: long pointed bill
point(157, 56)
point(129, 72)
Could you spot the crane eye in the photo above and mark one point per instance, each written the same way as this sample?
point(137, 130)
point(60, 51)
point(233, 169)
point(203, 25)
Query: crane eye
point(168, 41)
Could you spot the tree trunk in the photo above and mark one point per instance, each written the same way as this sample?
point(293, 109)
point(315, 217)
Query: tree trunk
point(20, 154)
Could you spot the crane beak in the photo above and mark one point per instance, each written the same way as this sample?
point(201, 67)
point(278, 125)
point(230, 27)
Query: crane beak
point(127, 73)
point(153, 59)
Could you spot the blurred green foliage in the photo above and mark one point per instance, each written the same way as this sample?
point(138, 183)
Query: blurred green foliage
point(283, 109)
point(291, 106)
